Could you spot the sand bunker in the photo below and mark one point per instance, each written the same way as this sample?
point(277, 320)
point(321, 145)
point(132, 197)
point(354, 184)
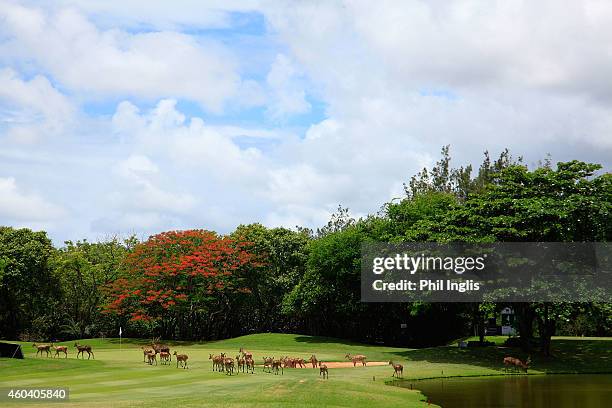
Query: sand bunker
point(348, 364)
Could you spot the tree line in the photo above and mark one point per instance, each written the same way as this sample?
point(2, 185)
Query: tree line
point(201, 285)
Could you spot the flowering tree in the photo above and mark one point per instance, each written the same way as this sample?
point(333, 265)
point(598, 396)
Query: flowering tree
point(177, 278)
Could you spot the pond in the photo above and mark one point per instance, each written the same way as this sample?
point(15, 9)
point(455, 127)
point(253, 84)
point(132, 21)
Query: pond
point(533, 391)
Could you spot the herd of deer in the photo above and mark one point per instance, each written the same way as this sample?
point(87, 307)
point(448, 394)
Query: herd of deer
point(244, 360)
point(150, 352)
point(46, 348)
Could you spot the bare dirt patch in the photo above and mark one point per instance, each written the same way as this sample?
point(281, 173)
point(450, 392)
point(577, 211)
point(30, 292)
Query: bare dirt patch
point(348, 364)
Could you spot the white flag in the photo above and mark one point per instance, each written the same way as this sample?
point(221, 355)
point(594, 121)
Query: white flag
point(120, 331)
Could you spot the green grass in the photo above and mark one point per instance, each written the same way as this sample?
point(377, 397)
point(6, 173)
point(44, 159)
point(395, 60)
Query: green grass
point(118, 377)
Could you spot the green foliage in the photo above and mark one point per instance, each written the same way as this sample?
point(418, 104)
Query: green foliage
point(27, 288)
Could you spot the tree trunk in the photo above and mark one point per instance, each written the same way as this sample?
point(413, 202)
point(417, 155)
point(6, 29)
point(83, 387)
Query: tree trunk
point(526, 315)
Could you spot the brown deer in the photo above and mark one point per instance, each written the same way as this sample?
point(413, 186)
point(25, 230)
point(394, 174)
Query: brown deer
point(245, 353)
point(358, 358)
point(164, 357)
point(61, 349)
point(277, 365)
point(151, 357)
point(42, 347)
point(240, 363)
point(229, 365)
point(313, 361)
point(182, 358)
point(323, 370)
point(217, 362)
point(250, 365)
point(268, 363)
point(145, 351)
point(158, 347)
point(398, 370)
point(84, 348)
point(516, 363)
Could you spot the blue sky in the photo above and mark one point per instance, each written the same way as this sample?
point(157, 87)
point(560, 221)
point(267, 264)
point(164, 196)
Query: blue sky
point(139, 117)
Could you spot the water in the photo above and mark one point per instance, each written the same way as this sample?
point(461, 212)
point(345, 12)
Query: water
point(537, 391)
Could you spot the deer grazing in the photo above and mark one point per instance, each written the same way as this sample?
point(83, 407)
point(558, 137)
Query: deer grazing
point(84, 348)
point(42, 347)
point(181, 358)
point(358, 358)
point(151, 357)
point(164, 357)
point(323, 370)
point(398, 370)
point(158, 347)
point(516, 363)
point(60, 349)
point(229, 365)
point(314, 361)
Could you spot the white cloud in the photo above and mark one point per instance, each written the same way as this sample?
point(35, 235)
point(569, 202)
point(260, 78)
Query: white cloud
point(33, 108)
point(101, 63)
point(288, 96)
point(25, 207)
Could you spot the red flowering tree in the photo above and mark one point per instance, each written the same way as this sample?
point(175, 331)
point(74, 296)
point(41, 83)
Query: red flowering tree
point(176, 278)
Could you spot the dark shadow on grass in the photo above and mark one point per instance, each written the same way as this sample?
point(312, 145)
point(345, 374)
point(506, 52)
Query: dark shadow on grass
point(567, 356)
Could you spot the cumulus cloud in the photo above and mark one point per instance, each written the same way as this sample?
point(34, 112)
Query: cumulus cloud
point(25, 207)
point(397, 80)
point(288, 96)
point(89, 60)
point(32, 108)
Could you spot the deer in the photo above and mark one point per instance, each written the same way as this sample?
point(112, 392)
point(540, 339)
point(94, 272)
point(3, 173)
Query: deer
point(240, 363)
point(313, 361)
point(155, 345)
point(268, 363)
point(42, 347)
point(276, 365)
point(151, 357)
point(229, 365)
point(245, 353)
point(323, 370)
point(145, 351)
point(357, 358)
point(60, 349)
point(515, 362)
point(164, 357)
point(398, 370)
point(250, 365)
point(182, 358)
point(84, 348)
point(217, 362)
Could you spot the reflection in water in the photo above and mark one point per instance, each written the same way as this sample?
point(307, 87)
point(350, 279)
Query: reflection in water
point(541, 391)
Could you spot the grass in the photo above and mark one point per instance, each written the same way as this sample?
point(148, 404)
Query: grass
point(118, 377)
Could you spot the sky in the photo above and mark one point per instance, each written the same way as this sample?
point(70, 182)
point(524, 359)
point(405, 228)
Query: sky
point(136, 117)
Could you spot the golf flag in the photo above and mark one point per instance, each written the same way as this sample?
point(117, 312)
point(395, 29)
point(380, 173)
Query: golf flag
point(120, 331)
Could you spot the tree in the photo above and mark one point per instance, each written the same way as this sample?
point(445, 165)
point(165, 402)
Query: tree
point(84, 269)
point(183, 281)
point(282, 254)
point(566, 204)
point(28, 290)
